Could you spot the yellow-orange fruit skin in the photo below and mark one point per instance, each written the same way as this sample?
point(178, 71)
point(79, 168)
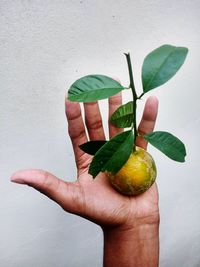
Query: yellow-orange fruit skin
point(137, 175)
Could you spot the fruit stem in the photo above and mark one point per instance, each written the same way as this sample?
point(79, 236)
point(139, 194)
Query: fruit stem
point(135, 97)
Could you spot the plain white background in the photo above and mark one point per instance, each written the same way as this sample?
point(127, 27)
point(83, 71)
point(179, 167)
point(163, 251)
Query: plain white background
point(44, 47)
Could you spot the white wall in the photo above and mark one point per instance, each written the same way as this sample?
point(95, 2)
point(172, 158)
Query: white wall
point(46, 45)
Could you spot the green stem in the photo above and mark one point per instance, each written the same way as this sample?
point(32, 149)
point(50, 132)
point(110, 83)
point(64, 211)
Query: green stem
point(135, 97)
point(141, 96)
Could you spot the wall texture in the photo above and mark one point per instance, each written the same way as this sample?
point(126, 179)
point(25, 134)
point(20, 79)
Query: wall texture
point(44, 47)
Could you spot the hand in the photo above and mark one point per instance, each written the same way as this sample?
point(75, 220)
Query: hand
point(90, 198)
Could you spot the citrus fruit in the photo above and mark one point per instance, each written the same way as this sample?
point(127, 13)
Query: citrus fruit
point(137, 174)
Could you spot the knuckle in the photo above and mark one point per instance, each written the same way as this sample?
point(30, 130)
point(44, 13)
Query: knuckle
point(76, 204)
point(48, 183)
point(76, 133)
point(94, 125)
point(46, 179)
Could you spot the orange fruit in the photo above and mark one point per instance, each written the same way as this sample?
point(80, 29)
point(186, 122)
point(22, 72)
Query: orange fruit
point(137, 174)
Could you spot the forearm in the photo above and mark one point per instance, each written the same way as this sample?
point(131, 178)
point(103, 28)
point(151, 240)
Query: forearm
point(136, 247)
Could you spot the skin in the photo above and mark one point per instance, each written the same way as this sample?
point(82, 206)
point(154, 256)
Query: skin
point(129, 224)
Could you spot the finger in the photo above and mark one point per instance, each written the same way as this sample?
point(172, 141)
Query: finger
point(114, 102)
point(93, 121)
point(67, 195)
point(148, 120)
point(76, 131)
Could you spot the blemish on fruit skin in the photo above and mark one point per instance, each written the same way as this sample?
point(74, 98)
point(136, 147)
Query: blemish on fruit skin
point(137, 175)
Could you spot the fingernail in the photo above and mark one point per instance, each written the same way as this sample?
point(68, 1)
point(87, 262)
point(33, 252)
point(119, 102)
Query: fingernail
point(16, 179)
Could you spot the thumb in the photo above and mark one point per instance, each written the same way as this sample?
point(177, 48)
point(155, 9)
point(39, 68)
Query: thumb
point(67, 194)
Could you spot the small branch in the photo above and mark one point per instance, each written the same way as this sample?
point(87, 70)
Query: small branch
point(135, 97)
point(141, 95)
point(132, 85)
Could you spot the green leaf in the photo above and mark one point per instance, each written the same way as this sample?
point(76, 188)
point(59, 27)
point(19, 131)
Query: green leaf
point(92, 147)
point(162, 64)
point(113, 155)
point(92, 88)
point(123, 116)
point(167, 143)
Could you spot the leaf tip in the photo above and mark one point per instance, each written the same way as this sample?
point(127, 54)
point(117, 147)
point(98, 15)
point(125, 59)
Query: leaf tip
point(92, 173)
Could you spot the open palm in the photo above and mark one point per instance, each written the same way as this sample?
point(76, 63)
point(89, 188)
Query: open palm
point(90, 198)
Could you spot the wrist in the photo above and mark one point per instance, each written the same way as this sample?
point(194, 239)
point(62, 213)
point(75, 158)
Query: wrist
point(135, 224)
point(137, 233)
point(132, 246)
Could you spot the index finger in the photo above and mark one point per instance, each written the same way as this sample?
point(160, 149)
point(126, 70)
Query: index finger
point(148, 120)
point(76, 130)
